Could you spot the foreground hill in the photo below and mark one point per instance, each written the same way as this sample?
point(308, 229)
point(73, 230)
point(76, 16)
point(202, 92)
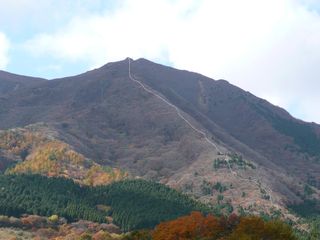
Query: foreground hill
point(36, 149)
point(79, 212)
point(255, 155)
point(132, 204)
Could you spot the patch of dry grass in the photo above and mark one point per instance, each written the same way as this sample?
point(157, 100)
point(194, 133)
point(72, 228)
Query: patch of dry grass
point(15, 234)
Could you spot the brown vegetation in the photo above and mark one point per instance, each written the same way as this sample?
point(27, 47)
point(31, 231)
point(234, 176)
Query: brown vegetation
point(197, 226)
point(39, 152)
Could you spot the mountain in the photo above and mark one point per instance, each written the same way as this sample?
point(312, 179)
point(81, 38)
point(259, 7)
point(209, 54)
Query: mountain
point(12, 82)
point(207, 138)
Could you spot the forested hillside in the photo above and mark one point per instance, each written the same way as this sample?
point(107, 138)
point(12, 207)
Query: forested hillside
point(132, 204)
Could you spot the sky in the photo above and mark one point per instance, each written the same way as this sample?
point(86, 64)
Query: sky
point(268, 47)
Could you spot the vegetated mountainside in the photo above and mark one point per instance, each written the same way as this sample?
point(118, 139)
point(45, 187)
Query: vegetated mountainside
point(132, 204)
point(106, 116)
point(266, 129)
point(36, 149)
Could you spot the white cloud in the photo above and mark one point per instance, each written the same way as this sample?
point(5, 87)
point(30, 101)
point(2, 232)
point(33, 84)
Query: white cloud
point(4, 48)
point(269, 47)
point(130, 31)
point(24, 17)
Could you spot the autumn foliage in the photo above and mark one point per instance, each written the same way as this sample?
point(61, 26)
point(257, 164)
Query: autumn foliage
point(188, 227)
point(197, 226)
point(38, 152)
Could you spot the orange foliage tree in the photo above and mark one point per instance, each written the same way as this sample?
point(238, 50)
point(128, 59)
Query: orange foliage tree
point(199, 227)
point(194, 226)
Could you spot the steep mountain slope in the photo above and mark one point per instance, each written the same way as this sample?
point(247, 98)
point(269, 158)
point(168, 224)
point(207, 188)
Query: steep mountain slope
point(106, 117)
point(267, 129)
point(264, 157)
